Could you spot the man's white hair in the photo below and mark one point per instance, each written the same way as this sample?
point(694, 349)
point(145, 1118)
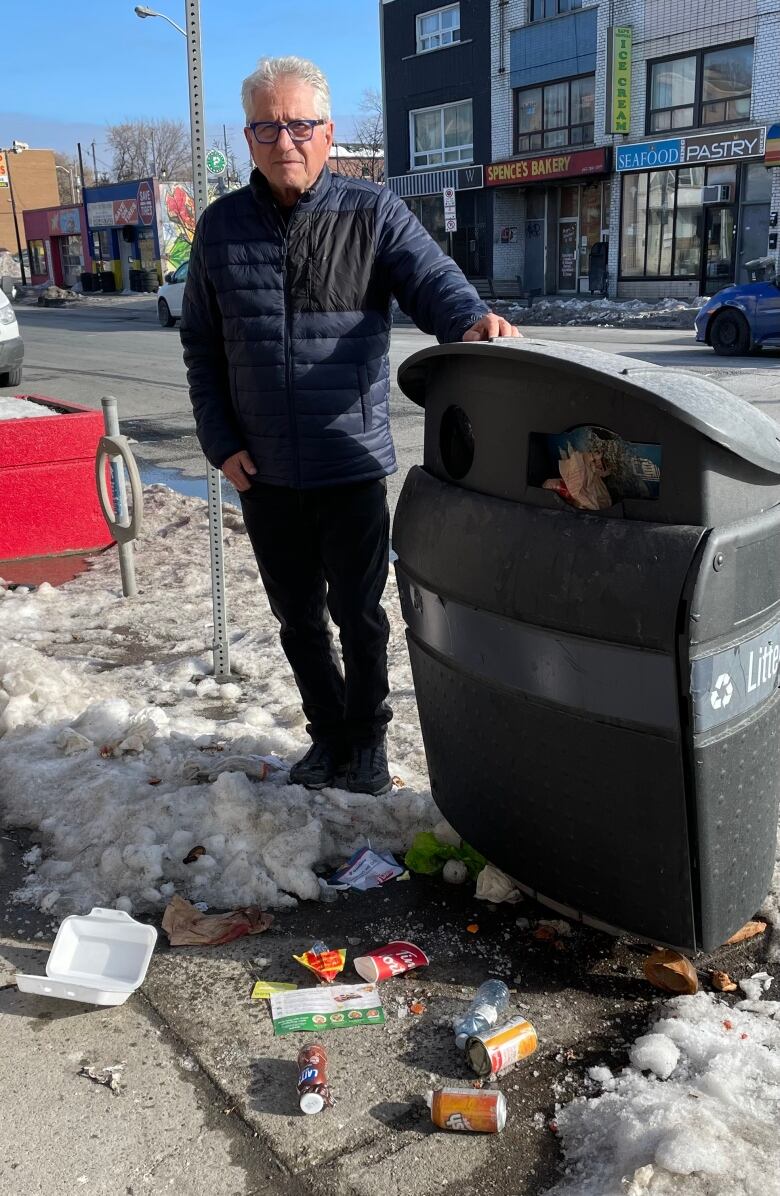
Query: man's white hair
point(270, 70)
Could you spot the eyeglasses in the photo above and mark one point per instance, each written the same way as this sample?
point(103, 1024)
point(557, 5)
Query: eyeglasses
point(266, 132)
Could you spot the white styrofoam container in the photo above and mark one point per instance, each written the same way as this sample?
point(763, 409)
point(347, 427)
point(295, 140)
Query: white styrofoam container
point(100, 958)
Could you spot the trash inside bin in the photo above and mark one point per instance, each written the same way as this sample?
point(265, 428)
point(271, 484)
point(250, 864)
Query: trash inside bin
point(598, 688)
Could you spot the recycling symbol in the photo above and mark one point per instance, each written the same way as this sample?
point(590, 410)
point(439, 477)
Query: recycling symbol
point(722, 693)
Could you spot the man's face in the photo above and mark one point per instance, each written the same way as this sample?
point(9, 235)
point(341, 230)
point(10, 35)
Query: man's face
point(290, 167)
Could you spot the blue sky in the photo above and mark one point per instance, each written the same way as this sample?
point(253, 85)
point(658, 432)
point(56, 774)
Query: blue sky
point(71, 68)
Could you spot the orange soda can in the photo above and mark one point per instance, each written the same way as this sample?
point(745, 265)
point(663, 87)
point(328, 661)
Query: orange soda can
point(501, 1047)
point(464, 1109)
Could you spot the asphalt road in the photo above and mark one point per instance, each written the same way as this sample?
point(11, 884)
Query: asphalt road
point(115, 346)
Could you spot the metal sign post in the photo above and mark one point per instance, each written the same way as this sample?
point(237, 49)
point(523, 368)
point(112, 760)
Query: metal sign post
point(220, 645)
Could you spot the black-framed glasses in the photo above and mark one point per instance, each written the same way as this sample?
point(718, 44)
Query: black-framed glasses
point(266, 132)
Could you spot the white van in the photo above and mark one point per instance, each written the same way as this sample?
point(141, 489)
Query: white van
point(11, 345)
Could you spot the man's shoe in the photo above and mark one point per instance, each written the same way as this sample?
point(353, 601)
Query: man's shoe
point(367, 772)
point(317, 769)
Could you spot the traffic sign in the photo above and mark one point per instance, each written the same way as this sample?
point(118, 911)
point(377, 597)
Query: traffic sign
point(450, 224)
point(450, 219)
point(216, 162)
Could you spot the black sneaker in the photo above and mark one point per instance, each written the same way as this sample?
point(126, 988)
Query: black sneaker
point(317, 769)
point(367, 771)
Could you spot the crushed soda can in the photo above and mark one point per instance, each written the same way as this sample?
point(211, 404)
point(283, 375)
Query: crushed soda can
point(314, 1092)
point(392, 960)
point(466, 1110)
point(501, 1047)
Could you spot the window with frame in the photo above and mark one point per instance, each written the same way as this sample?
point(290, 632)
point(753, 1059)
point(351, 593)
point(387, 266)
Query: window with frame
point(541, 9)
point(440, 136)
point(37, 255)
point(440, 27)
point(555, 114)
point(706, 87)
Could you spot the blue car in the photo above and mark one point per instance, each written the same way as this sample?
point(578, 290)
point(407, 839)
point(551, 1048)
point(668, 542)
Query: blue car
point(742, 317)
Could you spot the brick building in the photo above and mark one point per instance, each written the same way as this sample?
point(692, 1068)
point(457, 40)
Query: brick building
point(679, 200)
point(34, 181)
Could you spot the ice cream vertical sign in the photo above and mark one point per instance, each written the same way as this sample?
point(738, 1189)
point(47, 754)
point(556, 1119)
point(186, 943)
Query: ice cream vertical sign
point(620, 45)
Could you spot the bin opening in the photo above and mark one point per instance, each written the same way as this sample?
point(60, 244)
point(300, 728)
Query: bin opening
point(594, 465)
point(456, 442)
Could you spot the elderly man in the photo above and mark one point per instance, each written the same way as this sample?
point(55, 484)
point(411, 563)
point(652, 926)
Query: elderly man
point(285, 327)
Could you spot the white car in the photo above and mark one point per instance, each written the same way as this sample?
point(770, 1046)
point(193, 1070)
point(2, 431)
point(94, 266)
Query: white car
point(169, 296)
point(11, 345)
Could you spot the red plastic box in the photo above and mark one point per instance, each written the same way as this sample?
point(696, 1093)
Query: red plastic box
point(48, 498)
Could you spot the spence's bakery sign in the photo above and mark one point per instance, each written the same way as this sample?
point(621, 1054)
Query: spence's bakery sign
point(516, 172)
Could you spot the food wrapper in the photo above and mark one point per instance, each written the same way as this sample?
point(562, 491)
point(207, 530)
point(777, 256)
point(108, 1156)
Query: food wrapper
point(326, 965)
point(583, 475)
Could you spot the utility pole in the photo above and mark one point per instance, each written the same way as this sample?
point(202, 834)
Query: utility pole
point(81, 167)
point(94, 163)
point(227, 159)
point(13, 209)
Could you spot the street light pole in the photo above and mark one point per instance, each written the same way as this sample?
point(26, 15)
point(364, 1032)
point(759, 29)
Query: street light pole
point(70, 179)
point(15, 150)
point(220, 645)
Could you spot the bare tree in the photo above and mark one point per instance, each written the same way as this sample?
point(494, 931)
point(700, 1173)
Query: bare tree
point(145, 147)
point(369, 139)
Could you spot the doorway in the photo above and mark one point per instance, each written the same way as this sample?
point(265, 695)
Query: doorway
point(720, 225)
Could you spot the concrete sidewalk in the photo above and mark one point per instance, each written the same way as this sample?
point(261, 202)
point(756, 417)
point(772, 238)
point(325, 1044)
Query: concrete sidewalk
point(209, 1104)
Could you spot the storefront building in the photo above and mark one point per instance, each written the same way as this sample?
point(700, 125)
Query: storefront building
point(122, 220)
point(436, 92)
point(698, 212)
point(57, 245)
point(551, 163)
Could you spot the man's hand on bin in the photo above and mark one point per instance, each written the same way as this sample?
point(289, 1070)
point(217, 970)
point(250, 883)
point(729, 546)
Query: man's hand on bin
point(490, 326)
point(238, 469)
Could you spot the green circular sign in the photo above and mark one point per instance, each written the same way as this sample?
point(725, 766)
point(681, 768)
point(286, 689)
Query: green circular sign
point(216, 161)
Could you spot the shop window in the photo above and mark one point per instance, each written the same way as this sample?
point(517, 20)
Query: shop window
point(440, 136)
point(102, 245)
point(708, 87)
point(541, 9)
point(37, 257)
point(757, 184)
point(438, 28)
point(556, 114)
point(429, 210)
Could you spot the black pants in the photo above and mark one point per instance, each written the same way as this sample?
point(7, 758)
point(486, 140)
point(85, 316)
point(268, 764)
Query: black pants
point(328, 550)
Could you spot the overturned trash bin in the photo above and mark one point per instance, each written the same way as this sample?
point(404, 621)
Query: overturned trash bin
point(598, 689)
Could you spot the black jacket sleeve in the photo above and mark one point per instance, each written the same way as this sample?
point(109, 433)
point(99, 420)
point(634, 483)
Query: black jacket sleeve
point(205, 359)
point(428, 285)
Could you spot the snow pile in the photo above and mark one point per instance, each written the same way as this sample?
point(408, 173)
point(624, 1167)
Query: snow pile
point(122, 753)
point(22, 409)
point(695, 1113)
point(663, 313)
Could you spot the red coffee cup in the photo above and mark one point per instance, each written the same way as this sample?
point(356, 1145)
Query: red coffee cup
point(389, 961)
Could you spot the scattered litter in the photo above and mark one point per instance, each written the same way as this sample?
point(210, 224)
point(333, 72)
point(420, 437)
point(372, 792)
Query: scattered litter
point(473, 928)
point(455, 872)
point(487, 1008)
point(494, 885)
point(429, 853)
point(493, 1051)
point(109, 1077)
point(201, 906)
point(748, 931)
point(99, 958)
point(194, 855)
point(314, 1092)
point(392, 960)
point(265, 989)
point(257, 767)
point(468, 1111)
point(366, 869)
point(722, 982)
point(582, 475)
point(398, 783)
point(325, 964)
point(756, 985)
point(561, 928)
point(672, 972)
point(188, 927)
point(339, 1007)
point(640, 1180)
point(417, 1007)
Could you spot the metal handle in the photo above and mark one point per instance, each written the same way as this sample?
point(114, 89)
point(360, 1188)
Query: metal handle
point(127, 527)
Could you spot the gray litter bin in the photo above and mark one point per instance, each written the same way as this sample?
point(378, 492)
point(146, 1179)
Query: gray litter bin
point(598, 691)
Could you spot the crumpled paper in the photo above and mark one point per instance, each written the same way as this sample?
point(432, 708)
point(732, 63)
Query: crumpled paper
point(494, 885)
point(583, 475)
point(188, 927)
point(196, 768)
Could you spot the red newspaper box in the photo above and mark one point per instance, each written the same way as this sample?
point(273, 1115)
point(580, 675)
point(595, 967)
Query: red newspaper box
point(48, 498)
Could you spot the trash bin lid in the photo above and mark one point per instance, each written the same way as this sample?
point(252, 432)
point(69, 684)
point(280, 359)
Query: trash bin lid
point(722, 417)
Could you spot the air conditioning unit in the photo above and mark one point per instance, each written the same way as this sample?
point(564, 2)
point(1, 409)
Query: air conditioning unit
point(717, 194)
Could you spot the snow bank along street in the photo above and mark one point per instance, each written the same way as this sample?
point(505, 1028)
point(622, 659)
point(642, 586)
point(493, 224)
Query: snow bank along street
point(120, 753)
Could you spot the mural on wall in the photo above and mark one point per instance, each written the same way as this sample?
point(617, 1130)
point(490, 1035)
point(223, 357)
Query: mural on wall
point(177, 221)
